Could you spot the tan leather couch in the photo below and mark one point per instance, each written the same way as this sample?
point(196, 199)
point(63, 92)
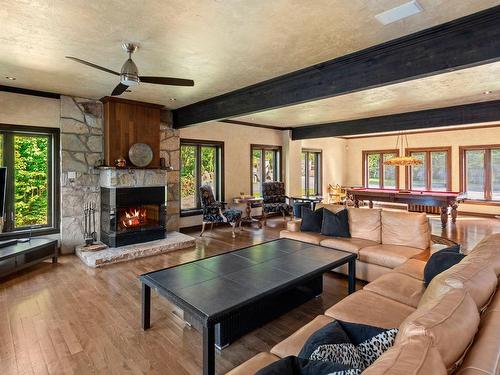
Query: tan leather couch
point(381, 239)
point(453, 325)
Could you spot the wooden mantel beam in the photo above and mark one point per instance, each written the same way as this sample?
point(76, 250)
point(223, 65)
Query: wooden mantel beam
point(432, 118)
point(465, 42)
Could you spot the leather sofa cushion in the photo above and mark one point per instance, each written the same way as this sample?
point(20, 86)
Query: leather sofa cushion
point(406, 229)
point(370, 308)
point(365, 271)
point(398, 287)
point(483, 356)
point(351, 245)
point(476, 276)
point(294, 343)
point(451, 321)
point(413, 268)
point(365, 223)
point(389, 256)
point(254, 364)
point(489, 250)
point(293, 225)
point(416, 356)
point(311, 237)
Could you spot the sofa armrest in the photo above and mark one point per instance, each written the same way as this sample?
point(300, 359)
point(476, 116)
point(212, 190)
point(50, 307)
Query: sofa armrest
point(293, 225)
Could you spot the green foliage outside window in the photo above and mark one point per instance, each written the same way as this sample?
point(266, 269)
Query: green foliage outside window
point(31, 180)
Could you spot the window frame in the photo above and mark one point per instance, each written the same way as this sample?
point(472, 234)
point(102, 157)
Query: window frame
point(381, 153)
point(428, 166)
point(220, 186)
point(488, 193)
point(9, 131)
point(318, 180)
point(279, 159)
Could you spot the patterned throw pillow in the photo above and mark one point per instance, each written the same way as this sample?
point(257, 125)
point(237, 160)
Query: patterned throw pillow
point(299, 366)
point(350, 344)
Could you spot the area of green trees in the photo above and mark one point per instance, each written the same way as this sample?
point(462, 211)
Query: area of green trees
point(30, 180)
point(206, 165)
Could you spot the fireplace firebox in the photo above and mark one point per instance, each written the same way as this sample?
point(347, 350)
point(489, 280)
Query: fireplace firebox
point(132, 215)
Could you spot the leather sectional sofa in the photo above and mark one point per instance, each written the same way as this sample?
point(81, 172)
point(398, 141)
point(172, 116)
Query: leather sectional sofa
point(453, 325)
point(382, 239)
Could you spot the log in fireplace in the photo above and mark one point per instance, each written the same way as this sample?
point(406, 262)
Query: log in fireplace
point(132, 215)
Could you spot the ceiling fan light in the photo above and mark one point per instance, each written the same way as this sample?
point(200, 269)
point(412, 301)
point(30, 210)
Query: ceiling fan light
point(129, 80)
point(129, 74)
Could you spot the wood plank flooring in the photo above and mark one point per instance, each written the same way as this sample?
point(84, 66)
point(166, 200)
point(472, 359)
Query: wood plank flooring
point(70, 319)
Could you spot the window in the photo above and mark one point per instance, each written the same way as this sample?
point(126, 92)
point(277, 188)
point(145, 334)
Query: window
point(311, 172)
point(201, 163)
point(434, 174)
point(376, 174)
point(480, 172)
point(31, 197)
point(266, 166)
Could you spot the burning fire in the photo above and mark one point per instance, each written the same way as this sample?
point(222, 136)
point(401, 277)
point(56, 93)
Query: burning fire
point(134, 217)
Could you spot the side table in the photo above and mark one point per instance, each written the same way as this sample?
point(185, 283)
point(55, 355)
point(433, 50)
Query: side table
point(249, 201)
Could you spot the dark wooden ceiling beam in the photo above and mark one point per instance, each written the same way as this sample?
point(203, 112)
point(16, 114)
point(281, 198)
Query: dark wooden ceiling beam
point(432, 118)
point(462, 43)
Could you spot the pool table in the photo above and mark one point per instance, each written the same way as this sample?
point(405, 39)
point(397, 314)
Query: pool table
point(442, 199)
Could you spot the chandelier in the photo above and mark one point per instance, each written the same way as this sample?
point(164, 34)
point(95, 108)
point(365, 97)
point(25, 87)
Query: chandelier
point(404, 161)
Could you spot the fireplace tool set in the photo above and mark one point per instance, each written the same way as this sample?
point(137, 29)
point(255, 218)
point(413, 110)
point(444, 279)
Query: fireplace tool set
point(90, 235)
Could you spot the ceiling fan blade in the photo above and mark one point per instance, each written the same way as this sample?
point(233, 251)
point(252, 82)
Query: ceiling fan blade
point(93, 65)
point(120, 89)
point(167, 81)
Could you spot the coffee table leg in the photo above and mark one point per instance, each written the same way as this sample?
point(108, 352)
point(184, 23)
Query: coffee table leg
point(209, 349)
point(352, 276)
point(146, 306)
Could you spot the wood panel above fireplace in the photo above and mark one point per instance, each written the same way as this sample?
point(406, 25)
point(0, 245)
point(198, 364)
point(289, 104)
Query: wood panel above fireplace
point(127, 122)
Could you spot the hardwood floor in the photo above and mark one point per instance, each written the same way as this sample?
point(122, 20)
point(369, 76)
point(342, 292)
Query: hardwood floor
point(70, 319)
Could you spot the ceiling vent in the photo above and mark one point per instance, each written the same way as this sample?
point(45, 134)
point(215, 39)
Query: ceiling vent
point(398, 13)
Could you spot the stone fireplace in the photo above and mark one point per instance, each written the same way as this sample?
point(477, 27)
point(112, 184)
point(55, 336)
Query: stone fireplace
point(132, 215)
point(82, 151)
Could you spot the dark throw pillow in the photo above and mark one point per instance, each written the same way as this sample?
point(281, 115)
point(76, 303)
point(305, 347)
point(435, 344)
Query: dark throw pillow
point(311, 220)
point(335, 224)
point(440, 261)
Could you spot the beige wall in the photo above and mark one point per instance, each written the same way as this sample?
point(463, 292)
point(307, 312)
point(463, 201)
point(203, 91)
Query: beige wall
point(334, 154)
point(455, 138)
point(237, 140)
point(18, 109)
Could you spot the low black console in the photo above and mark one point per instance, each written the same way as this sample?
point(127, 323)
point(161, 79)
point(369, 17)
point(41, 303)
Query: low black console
point(17, 256)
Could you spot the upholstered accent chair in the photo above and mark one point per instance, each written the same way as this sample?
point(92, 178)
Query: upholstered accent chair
point(216, 212)
point(275, 200)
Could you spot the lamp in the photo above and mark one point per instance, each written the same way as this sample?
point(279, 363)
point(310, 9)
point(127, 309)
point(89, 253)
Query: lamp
point(404, 161)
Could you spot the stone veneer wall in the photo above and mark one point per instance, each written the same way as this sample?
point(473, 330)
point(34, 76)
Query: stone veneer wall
point(81, 149)
point(81, 125)
point(170, 150)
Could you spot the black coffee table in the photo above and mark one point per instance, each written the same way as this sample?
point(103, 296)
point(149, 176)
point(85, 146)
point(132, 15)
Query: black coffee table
point(227, 295)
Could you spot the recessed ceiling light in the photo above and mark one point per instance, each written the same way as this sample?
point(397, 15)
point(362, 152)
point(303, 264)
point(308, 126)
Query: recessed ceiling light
point(487, 92)
point(398, 13)
point(11, 78)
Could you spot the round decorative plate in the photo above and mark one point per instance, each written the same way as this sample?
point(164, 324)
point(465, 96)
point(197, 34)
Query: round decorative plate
point(140, 154)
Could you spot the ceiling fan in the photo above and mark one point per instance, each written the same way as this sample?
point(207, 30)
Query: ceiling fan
point(129, 74)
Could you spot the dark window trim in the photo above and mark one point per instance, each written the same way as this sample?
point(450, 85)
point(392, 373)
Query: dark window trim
point(54, 199)
point(428, 166)
point(487, 172)
point(365, 154)
point(279, 159)
point(318, 181)
point(219, 172)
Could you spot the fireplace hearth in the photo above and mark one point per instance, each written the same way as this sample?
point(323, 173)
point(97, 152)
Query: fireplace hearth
point(132, 215)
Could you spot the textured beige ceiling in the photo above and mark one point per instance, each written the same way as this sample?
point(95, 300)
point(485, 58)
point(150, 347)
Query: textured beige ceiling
point(444, 90)
point(222, 44)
